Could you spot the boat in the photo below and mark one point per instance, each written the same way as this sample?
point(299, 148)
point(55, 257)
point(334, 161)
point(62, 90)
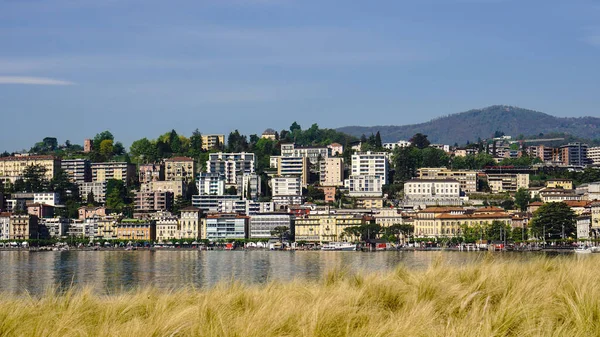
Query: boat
point(582, 250)
point(344, 246)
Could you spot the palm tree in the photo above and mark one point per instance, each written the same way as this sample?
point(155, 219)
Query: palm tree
point(280, 232)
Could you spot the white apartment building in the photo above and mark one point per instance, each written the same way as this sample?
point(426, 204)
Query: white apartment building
point(332, 172)
point(56, 227)
point(400, 143)
point(286, 186)
point(432, 192)
point(226, 226)
point(251, 180)
point(190, 223)
point(47, 198)
point(312, 153)
point(371, 164)
point(167, 227)
point(593, 154)
point(210, 183)
point(231, 165)
point(294, 166)
point(262, 224)
point(364, 186)
point(467, 179)
point(98, 188)
point(5, 226)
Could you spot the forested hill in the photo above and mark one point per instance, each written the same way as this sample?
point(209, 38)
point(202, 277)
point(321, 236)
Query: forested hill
point(482, 123)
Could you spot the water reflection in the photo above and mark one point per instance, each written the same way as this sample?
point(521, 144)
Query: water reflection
point(112, 271)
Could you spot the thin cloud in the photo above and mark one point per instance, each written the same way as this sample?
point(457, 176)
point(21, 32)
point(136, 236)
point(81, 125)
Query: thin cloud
point(28, 80)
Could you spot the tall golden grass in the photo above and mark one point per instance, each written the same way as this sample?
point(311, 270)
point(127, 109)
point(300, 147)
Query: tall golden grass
point(494, 297)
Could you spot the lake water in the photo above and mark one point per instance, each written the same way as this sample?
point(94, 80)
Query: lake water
point(112, 271)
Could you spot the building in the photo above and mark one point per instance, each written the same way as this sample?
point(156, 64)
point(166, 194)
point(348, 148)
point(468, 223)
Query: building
point(584, 225)
point(443, 147)
point(371, 164)
point(447, 221)
point(79, 171)
point(167, 227)
point(211, 203)
point(250, 181)
point(133, 229)
point(103, 172)
point(386, 217)
point(23, 227)
point(545, 153)
point(5, 226)
point(430, 192)
point(190, 223)
point(40, 210)
point(364, 186)
point(13, 168)
point(151, 172)
point(269, 134)
point(54, 227)
point(593, 154)
point(336, 149)
point(313, 153)
point(507, 182)
point(329, 192)
point(210, 142)
point(97, 188)
point(262, 224)
point(285, 186)
point(294, 166)
point(369, 203)
point(149, 201)
point(180, 168)
point(48, 198)
point(558, 195)
point(210, 183)
point(88, 145)
point(467, 179)
point(177, 187)
point(400, 143)
point(566, 184)
point(595, 218)
point(226, 227)
point(332, 172)
point(91, 212)
point(574, 154)
point(231, 165)
point(322, 228)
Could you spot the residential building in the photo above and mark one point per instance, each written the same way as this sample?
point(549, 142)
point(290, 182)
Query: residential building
point(180, 168)
point(210, 183)
point(254, 207)
point(48, 198)
point(40, 210)
point(467, 179)
point(283, 201)
point(329, 192)
point(91, 212)
point(584, 225)
point(97, 188)
point(5, 226)
point(558, 195)
point(593, 154)
point(577, 206)
point(574, 154)
point(151, 172)
point(313, 153)
point(79, 171)
point(54, 227)
point(250, 181)
point(544, 153)
point(13, 168)
point(507, 182)
point(107, 227)
point(23, 227)
point(231, 165)
point(77, 228)
point(400, 143)
point(447, 221)
point(443, 147)
point(262, 224)
point(88, 145)
point(369, 203)
point(566, 184)
point(386, 217)
point(210, 142)
point(226, 226)
point(190, 223)
point(286, 186)
point(269, 134)
point(321, 228)
point(332, 172)
point(210, 203)
point(595, 218)
point(364, 186)
point(371, 164)
point(149, 201)
point(432, 192)
point(336, 149)
point(294, 166)
point(103, 172)
point(167, 227)
point(133, 229)
point(177, 187)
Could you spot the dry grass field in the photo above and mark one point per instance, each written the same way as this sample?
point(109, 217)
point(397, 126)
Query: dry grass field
point(495, 297)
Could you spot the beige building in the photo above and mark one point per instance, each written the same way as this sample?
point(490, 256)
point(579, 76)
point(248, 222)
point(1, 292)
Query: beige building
point(167, 227)
point(447, 221)
point(294, 166)
point(12, 168)
point(507, 182)
point(336, 149)
point(332, 172)
point(319, 228)
point(467, 179)
point(132, 229)
point(210, 142)
point(190, 223)
point(595, 214)
point(177, 187)
point(566, 184)
point(151, 172)
point(103, 172)
point(23, 227)
point(180, 168)
point(369, 203)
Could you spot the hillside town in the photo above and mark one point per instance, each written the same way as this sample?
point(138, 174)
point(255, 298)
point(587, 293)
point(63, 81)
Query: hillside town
point(299, 188)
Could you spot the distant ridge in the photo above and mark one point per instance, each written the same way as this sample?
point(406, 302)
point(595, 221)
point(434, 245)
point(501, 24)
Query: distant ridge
point(482, 123)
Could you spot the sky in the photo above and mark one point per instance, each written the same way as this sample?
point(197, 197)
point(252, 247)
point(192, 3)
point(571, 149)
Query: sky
point(139, 68)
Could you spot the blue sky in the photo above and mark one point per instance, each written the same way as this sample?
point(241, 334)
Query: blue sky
point(139, 68)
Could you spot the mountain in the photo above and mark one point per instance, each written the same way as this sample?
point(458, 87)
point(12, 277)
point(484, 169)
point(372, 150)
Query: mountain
point(482, 123)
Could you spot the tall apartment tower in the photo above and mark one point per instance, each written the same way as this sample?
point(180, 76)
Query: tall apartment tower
point(87, 145)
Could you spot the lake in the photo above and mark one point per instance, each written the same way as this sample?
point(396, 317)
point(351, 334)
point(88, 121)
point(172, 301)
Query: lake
point(113, 271)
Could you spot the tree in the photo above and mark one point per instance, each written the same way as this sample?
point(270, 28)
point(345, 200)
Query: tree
point(179, 204)
point(522, 199)
point(116, 195)
point(281, 232)
point(195, 144)
point(65, 188)
point(174, 142)
point(106, 148)
point(314, 193)
point(91, 201)
point(420, 141)
point(555, 220)
point(34, 179)
point(104, 135)
point(231, 190)
point(295, 127)
point(378, 143)
point(143, 151)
